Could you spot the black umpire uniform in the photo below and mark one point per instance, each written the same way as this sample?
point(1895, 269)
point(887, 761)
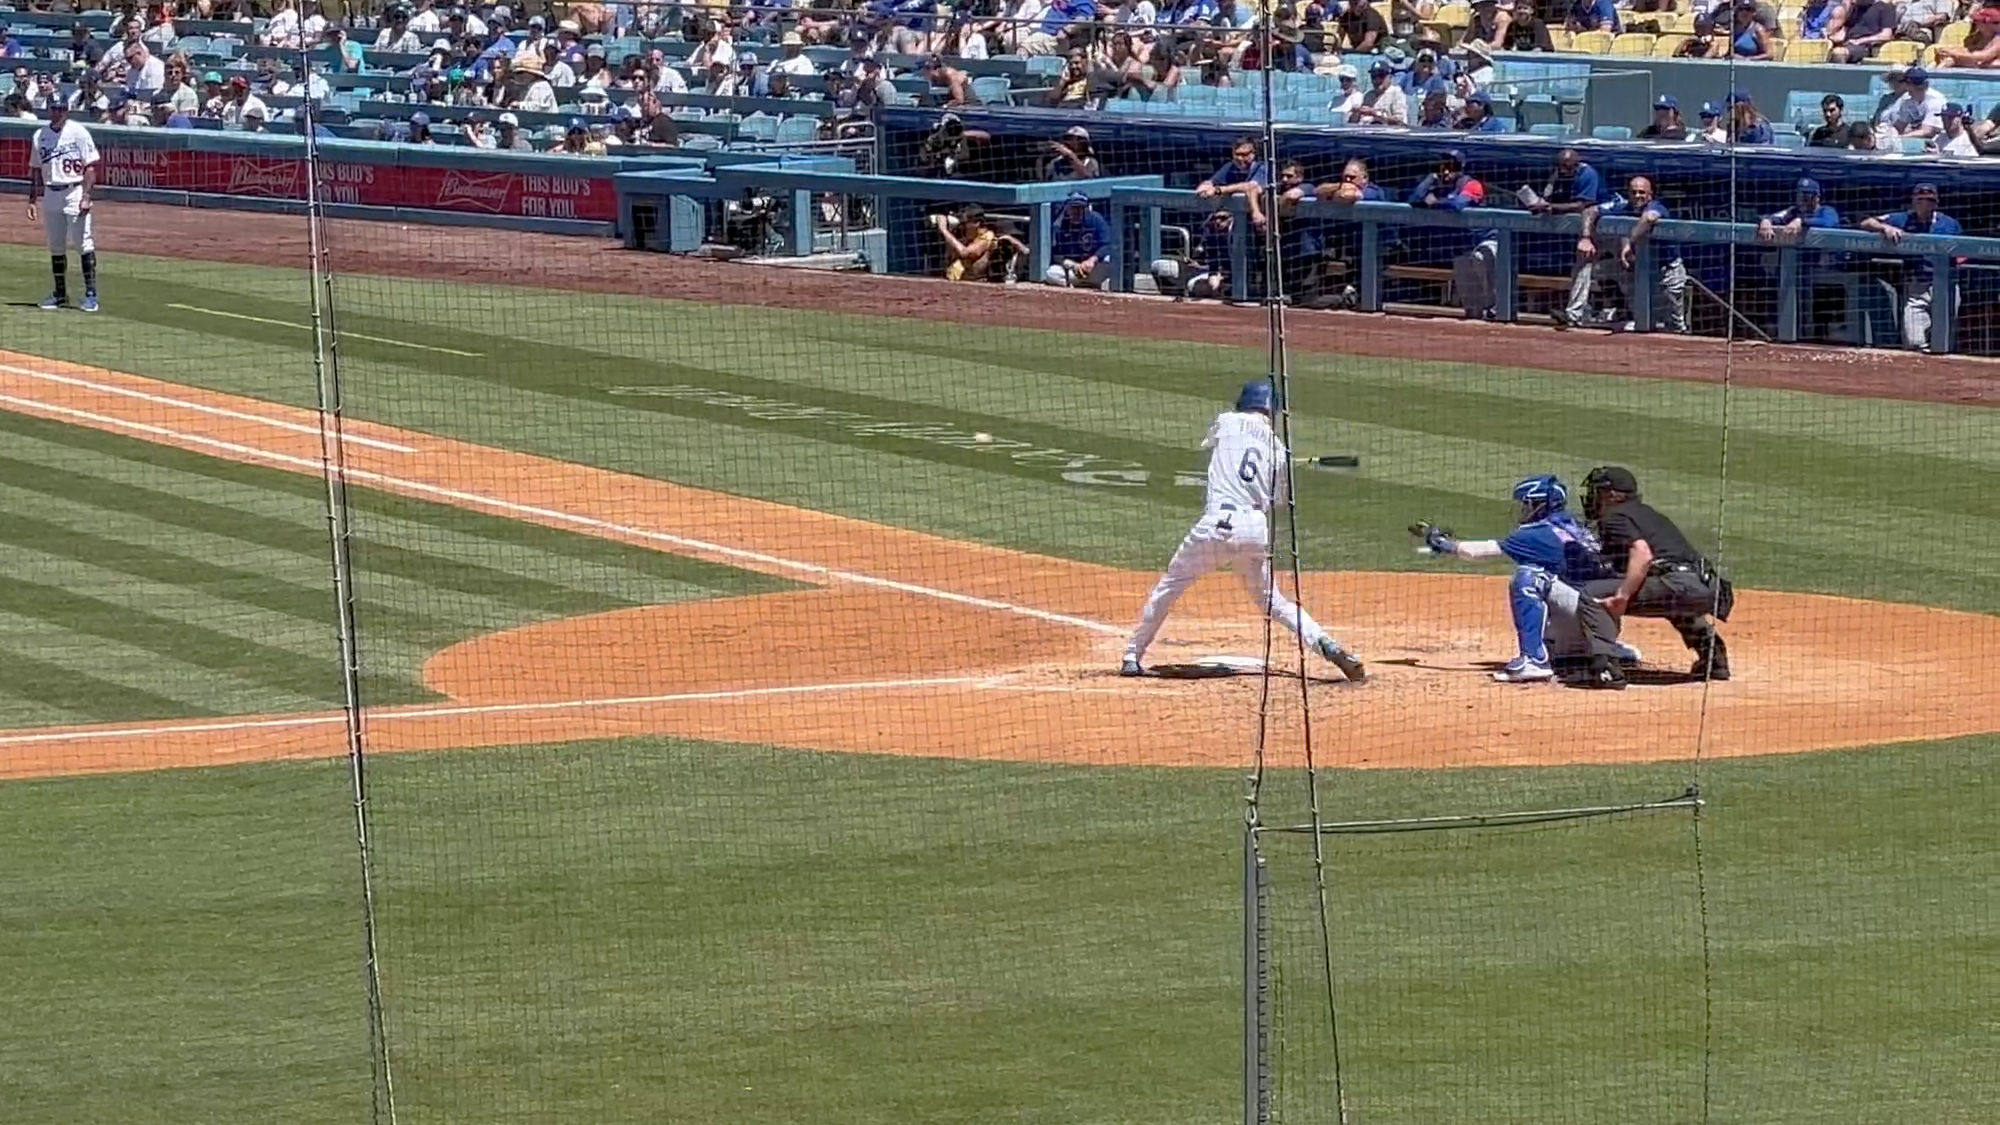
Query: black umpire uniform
point(1680, 584)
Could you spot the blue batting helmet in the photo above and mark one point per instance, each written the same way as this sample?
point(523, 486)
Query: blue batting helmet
point(1256, 395)
point(1540, 497)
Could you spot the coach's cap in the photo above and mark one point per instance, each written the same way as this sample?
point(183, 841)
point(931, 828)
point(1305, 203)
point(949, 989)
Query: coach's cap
point(1924, 191)
point(510, 120)
point(1808, 186)
point(1666, 101)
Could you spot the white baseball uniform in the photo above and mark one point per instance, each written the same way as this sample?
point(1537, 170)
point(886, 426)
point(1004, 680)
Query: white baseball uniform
point(62, 155)
point(1246, 476)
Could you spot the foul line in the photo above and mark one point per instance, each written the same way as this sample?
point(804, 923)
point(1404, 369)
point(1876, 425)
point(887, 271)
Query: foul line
point(217, 411)
point(340, 333)
point(552, 515)
point(370, 715)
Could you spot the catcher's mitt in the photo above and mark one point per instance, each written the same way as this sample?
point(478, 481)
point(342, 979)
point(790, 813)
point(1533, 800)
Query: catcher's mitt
point(1437, 540)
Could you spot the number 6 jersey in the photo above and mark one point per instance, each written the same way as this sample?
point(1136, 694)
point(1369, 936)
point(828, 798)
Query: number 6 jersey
point(1246, 462)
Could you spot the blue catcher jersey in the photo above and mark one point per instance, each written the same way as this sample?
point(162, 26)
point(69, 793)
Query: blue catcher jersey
point(1559, 545)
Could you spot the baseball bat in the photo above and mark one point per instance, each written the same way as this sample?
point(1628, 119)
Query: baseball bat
point(1330, 461)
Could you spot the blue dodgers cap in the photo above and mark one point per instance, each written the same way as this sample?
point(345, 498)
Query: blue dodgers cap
point(1454, 156)
point(1737, 97)
point(1479, 98)
point(1077, 197)
point(747, 58)
point(1255, 395)
point(1808, 186)
point(1924, 191)
point(1666, 101)
point(1916, 76)
point(1381, 66)
point(1708, 110)
point(1952, 109)
point(422, 119)
point(576, 125)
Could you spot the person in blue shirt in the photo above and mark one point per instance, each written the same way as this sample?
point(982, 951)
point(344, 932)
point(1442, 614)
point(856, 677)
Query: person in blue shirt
point(1189, 13)
point(1746, 125)
point(1553, 554)
point(1593, 15)
point(1434, 106)
point(1807, 212)
point(1815, 18)
point(1244, 175)
point(1922, 217)
point(1450, 189)
point(1572, 188)
point(1478, 116)
point(1595, 258)
point(1047, 39)
point(1078, 240)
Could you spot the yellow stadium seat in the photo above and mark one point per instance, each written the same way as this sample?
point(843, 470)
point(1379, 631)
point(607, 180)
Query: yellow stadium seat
point(1633, 45)
point(1776, 47)
point(1454, 16)
point(1386, 10)
point(1929, 57)
point(1676, 23)
point(1898, 52)
point(1954, 34)
point(1559, 39)
point(1665, 45)
point(1806, 51)
point(1592, 42)
point(1788, 26)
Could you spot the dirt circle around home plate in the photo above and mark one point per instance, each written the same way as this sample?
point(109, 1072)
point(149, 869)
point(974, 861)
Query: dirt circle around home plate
point(990, 684)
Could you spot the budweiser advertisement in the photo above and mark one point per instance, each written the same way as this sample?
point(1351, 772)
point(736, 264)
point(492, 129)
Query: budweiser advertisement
point(536, 195)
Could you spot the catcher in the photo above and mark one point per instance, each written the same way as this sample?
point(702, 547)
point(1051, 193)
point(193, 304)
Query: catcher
point(1554, 556)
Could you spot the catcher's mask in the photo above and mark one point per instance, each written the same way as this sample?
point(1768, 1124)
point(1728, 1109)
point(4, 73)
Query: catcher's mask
point(1540, 497)
point(1606, 478)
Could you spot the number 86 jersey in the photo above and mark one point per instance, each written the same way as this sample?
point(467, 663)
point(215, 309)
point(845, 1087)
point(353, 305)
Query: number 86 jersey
point(63, 155)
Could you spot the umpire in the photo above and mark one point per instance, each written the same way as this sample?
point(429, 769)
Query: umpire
point(1662, 574)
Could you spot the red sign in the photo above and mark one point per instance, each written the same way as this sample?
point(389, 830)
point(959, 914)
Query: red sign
point(585, 195)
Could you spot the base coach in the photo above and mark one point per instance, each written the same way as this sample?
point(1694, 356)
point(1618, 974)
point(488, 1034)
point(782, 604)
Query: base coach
point(1660, 574)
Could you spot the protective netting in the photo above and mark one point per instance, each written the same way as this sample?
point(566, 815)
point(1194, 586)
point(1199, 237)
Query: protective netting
point(722, 662)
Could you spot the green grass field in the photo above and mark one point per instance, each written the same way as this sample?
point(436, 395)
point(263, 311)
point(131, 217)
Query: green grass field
point(648, 930)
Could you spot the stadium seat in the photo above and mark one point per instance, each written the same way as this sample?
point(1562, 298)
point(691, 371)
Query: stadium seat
point(701, 142)
point(1591, 42)
point(1806, 51)
point(1612, 133)
point(1556, 131)
point(723, 116)
point(994, 89)
point(1676, 23)
point(193, 45)
point(1929, 57)
point(797, 129)
point(1777, 47)
point(1788, 140)
point(758, 127)
point(1559, 38)
point(1913, 146)
point(1633, 45)
point(1454, 16)
point(1788, 26)
point(1954, 34)
point(1898, 52)
point(1664, 46)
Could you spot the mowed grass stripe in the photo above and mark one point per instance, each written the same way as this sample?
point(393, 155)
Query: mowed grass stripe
point(96, 658)
point(65, 694)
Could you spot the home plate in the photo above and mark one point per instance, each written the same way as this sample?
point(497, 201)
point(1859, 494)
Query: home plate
point(1209, 667)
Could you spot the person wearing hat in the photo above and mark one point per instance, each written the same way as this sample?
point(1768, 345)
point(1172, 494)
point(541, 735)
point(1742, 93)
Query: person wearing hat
point(1349, 97)
point(530, 91)
point(1807, 212)
point(241, 103)
point(1666, 124)
point(1981, 48)
point(396, 35)
point(1921, 217)
point(1362, 28)
point(1705, 43)
point(1747, 126)
point(1384, 103)
point(1449, 188)
point(1078, 240)
point(425, 20)
point(62, 181)
point(793, 60)
point(1917, 112)
point(1659, 572)
point(508, 136)
point(1859, 29)
point(1072, 157)
point(1832, 131)
point(1475, 63)
point(1416, 81)
point(578, 141)
point(1478, 116)
point(1956, 140)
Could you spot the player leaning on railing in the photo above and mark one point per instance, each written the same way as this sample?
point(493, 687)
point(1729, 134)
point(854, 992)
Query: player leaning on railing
point(62, 177)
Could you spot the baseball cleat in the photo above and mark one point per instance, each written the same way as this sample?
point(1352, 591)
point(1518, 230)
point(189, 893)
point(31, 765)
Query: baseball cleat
point(1604, 675)
point(1519, 671)
point(1130, 667)
point(53, 302)
point(1348, 663)
point(89, 302)
point(1627, 655)
point(1713, 664)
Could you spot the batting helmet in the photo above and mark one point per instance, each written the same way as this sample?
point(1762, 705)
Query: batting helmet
point(1540, 497)
point(1256, 395)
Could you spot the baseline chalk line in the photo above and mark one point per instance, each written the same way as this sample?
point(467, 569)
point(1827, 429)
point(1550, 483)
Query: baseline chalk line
point(337, 335)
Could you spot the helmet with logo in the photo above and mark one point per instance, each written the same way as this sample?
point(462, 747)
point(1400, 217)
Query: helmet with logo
point(1255, 395)
point(1540, 497)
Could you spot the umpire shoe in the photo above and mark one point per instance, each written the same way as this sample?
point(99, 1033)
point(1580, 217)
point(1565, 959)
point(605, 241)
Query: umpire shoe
point(1604, 675)
point(1348, 663)
point(1713, 662)
point(1130, 667)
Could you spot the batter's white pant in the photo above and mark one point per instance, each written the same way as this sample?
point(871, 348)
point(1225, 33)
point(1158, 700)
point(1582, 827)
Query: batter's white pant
point(64, 220)
point(1222, 540)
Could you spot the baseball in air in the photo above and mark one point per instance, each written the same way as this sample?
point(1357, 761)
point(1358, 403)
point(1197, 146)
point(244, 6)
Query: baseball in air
point(983, 438)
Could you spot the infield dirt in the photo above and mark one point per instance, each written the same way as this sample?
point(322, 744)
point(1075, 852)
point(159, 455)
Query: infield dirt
point(907, 643)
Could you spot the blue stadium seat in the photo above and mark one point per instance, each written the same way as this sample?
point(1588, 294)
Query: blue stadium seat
point(1556, 130)
point(1612, 133)
point(758, 127)
point(994, 89)
point(724, 116)
point(1788, 140)
point(1200, 95)
point(797, 129)
point(701, 142)
point(193, 45)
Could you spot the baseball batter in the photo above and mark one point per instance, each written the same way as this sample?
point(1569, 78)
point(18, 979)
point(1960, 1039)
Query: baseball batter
point(1246, 476)
point(62, 176)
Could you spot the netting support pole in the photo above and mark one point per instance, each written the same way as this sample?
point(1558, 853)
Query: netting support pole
point(1256, 987)
point(333, 465)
